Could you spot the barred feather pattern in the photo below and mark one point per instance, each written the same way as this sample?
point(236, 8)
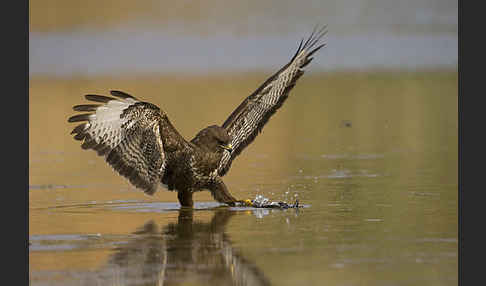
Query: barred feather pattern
point(127, 132)
point(247, 121)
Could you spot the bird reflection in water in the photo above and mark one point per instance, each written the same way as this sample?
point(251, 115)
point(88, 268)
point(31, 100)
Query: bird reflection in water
point(188, 251)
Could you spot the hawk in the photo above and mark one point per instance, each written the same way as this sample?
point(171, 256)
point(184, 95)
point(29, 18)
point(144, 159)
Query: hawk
point(138, 140)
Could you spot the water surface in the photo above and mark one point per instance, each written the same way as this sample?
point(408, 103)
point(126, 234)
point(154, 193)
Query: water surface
point(128, 51)
point(373, 156)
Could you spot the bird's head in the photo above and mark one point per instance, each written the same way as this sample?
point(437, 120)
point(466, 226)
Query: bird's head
point(213, 138)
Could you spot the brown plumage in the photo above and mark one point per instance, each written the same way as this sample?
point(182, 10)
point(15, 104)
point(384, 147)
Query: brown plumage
point(139, 142)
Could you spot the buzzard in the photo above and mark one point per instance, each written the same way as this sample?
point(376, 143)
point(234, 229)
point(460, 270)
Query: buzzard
point(137, 139)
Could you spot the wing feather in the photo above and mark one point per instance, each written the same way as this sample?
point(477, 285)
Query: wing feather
point(127, 132)
point(248, 119)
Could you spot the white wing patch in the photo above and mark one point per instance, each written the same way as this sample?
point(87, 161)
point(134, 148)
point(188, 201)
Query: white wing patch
point(105, 126)
point(127, 132)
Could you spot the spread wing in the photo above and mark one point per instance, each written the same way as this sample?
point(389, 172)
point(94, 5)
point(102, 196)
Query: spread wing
point(127, 132)
point(244, 124)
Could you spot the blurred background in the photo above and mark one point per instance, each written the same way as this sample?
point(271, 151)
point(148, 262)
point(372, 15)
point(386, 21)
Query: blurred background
point(118, 37)
point(368, 136)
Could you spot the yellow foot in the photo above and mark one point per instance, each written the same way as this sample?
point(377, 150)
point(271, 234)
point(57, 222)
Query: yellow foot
point(243, 203)
point(247, 203)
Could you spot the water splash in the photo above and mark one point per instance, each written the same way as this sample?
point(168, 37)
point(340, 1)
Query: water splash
point(262, 202)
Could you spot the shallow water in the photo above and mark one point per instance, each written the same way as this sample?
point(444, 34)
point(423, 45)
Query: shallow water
point(372, 156)
point(91, 53)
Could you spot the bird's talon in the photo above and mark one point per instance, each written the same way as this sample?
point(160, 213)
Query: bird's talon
point(246, 203)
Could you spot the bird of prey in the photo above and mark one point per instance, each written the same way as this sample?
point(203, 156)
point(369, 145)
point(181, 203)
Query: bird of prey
point(137, 139)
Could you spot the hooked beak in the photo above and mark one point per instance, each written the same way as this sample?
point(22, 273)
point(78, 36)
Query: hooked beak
point(228, 147)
